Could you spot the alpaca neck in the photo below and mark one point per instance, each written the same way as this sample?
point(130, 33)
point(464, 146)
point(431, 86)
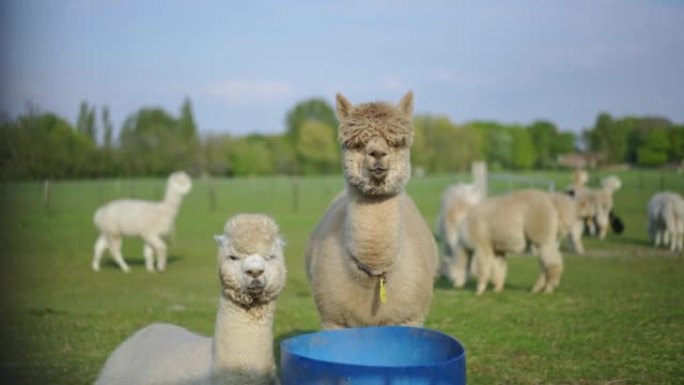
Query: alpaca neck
point(372, 231)
point(243, 344)
point(172, 198)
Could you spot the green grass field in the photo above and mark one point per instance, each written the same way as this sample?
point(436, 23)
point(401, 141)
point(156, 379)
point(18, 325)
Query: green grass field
point(617, 318)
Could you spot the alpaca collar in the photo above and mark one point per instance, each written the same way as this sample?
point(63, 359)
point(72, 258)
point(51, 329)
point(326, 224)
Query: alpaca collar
point(366, 269)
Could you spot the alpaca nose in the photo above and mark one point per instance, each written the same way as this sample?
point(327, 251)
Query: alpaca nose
point(378, 154)
point(254, 265)
point(255, 272)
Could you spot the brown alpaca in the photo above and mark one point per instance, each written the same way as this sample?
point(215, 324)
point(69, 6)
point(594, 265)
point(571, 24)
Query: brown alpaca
point(371, 259)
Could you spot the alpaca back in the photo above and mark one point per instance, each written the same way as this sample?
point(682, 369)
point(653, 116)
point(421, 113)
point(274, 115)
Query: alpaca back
point(180, 357)
point(508, 223)
point(135, 217)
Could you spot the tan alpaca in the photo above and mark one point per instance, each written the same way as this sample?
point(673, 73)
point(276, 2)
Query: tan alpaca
point(509, 224)
point(371, 259)
point(569, 223)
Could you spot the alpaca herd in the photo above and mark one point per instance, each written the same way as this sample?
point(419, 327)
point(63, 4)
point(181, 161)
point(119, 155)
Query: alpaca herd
point(371, 260)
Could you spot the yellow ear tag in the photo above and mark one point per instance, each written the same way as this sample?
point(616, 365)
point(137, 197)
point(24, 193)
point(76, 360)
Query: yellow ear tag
point(383, 290)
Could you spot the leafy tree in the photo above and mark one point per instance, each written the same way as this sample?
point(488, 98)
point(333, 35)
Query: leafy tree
point(186, 123)
point(107, 128)
point(654, 149)
point(316, 148)
point(543, 135)
point(250, 156)
point(523, 153)
point(86, 121)
point(311, 109)
point(149, 142)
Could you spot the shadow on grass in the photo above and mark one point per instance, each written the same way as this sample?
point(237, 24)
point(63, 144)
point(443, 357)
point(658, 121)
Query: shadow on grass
point(108, 262)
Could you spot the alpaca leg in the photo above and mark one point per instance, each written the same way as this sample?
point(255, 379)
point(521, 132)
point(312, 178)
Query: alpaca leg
point(591, 226)
point(666, 237)
point(148, 252)
point(552, 265)
point(499, 269)
point(159, 248)
point(541, 281)
point(576, 237)
point(484, 262)
point(458, 268)
point(100, 246)
point(657, 238)
point(115, 249)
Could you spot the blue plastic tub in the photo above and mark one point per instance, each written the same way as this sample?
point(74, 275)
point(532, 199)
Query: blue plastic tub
point(388, 355)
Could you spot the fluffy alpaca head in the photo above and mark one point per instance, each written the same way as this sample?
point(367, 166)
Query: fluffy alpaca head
point(376, 139)
point(468, 193)
point(580, 178)
point(251, 264)
point(611, 183)
point(180, 182)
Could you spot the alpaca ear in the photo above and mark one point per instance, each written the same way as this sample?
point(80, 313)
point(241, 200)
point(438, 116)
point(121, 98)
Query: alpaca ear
point(344, 106)
point(406, 104)
point(221, 240)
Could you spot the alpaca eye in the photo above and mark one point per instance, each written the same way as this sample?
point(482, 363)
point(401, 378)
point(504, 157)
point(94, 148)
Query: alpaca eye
point(272, 257)
point(233, 257)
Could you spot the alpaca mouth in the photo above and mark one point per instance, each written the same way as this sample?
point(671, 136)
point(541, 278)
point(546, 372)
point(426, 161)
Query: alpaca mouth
point(256, 287)
point(379, 173)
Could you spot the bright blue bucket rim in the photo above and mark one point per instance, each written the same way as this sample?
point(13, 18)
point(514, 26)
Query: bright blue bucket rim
point(284, 348)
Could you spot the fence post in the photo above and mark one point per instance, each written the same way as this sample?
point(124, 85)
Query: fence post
point(46, 195)
point(479, 171)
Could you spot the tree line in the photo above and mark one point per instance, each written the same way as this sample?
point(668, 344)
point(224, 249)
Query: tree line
point(154, 142)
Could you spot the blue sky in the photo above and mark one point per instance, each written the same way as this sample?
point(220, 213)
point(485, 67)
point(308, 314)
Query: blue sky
point(245, 64)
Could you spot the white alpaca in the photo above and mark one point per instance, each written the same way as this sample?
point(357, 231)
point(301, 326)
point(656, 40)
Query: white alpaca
point(604, 197)
point(456, 200)
point(252, 274)
point(508, 224)
point(594, 205)
point(145, 219)
point(371, 260)
point(666, 220)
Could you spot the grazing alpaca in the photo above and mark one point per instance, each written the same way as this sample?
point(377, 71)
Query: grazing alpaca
point(147, 220)
point(252, 274)
point(508, 224)
point(371, 259)
point(666, 220)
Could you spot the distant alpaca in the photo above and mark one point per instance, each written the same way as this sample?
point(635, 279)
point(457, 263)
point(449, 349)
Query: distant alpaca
point(508, 224)
point(456, 200)
point(371, 259)
point(666, 220)
point(145, 219)
point(604, 198)
point(595, 207)
point(569, 222)
point(252, 275)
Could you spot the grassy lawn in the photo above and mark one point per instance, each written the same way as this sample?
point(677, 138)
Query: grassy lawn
point(617, 318)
